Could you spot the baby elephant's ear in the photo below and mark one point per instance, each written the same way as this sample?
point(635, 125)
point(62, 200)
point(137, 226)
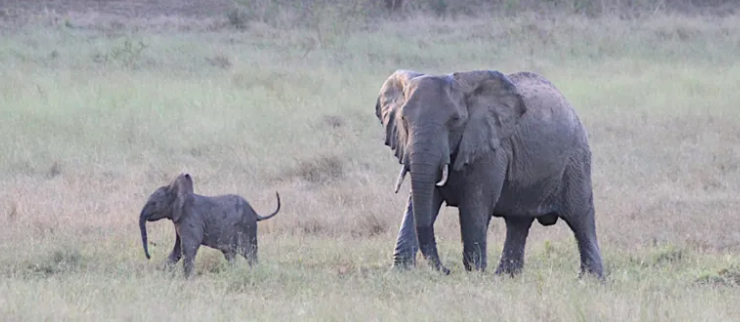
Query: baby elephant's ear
point(186, 184)
point(183, 186)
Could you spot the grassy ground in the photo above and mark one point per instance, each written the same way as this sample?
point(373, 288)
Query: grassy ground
point(96, 115)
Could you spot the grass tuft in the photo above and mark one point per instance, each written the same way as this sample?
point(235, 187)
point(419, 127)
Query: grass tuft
point(724, 277)
point(60, 261)
point(320, 170)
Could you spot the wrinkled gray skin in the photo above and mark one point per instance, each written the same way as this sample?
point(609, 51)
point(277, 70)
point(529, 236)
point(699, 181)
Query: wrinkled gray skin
point(226, 222)
point(489, 144)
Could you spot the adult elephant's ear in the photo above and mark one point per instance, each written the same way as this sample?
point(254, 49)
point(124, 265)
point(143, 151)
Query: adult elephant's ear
point(494, 108)
point(389, 102)
point(181, 187)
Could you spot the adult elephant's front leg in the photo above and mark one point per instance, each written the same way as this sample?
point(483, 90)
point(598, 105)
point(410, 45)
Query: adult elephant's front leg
point(474, 221)
point(479, 195)
point(407, 244)
point(512, 258)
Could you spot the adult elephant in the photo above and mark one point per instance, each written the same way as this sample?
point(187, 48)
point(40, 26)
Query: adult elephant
point(489, 144)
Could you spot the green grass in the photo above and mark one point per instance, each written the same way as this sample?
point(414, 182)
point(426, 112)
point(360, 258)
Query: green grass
point(90, 127)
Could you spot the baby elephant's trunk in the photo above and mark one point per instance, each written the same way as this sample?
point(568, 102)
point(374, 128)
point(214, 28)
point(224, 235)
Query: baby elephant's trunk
point(142, 226)
point(259, 218)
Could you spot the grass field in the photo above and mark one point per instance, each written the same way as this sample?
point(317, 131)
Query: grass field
point(95, 115)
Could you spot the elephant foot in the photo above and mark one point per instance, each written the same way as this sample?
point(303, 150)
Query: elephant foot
point(508, 268)
point(401, 267)
point(405, 265)
point(508, 273)
point(478, 265)
point(404, 261)
point(440, 268)
point(586, 273)
point(469, 267)
point(591, 265)
point(167, 265)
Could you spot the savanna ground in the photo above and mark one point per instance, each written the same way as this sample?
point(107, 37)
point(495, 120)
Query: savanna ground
point(99, 108)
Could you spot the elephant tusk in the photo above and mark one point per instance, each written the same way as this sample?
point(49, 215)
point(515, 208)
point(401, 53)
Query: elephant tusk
point(445, 173)
point(401, 176)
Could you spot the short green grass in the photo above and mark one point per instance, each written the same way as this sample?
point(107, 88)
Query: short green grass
point(91, 124)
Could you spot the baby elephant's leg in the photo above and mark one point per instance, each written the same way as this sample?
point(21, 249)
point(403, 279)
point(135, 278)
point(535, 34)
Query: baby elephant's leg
point(176, 253)
point(248, 244)
point(250, 253)
point(189, 250)
point(230, 254)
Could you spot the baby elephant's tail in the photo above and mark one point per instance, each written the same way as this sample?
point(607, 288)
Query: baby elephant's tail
point(260, 218)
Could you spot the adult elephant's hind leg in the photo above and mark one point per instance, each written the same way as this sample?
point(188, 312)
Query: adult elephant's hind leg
point(512, 258)
point(404, 254)
point(578, 212)
point(584, 228)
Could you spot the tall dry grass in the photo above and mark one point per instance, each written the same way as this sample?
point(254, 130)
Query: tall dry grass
point(95, 116)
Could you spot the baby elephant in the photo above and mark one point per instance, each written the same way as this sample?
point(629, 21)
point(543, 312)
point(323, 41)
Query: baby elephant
point(226, 222)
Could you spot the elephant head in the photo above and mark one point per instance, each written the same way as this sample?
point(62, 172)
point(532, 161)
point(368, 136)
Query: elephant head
point(433, 120)
point(166, 202)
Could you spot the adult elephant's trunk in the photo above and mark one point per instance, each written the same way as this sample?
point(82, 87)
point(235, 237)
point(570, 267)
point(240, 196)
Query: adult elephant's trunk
point(424, 169)
point(423, 177)
point(142, 227)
